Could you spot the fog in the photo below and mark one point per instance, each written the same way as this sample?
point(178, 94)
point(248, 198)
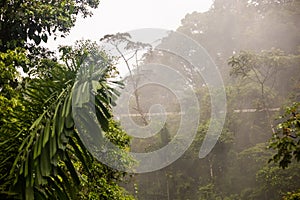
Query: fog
point(254, 45)
point(150, 102)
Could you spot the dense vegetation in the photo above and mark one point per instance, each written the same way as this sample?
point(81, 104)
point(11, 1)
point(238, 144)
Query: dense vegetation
point(254, 43)
point(256, 46)
point(42, 155)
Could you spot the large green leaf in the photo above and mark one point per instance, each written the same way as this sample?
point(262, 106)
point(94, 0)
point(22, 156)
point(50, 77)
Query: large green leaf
point(52, 144)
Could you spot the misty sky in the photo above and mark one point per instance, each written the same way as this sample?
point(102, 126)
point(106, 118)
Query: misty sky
point(114, 16)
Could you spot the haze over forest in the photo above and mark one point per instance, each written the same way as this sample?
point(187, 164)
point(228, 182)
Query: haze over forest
point(62, 114)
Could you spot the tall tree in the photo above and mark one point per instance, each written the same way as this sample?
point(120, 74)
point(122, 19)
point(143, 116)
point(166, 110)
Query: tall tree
point(261, 69)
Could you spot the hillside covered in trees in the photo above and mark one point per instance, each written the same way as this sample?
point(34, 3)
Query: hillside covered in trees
point(255, 44)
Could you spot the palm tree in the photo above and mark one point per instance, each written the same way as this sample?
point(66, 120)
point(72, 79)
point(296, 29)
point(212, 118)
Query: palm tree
point(52, 161)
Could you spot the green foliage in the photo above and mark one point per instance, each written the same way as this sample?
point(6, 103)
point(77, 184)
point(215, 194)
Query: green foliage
point(258, 67)
point(238, 162)
point(286, 139)
point(274, 181)
point(101, 182)
point(41, 153)
point(261, 69)
point(10, 104)
point(292, 195)
point(36, 20)
point(9, 81)
point(52, 159)
point(10, 61)
point(237, 168)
